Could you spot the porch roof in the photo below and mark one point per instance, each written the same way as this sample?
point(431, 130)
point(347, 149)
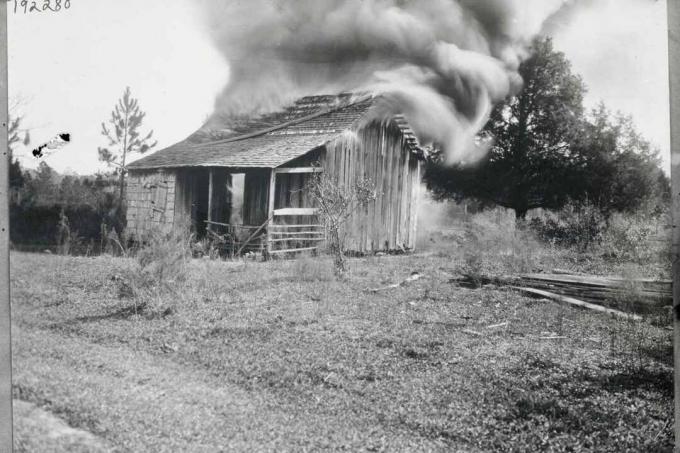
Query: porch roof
point(272, 140)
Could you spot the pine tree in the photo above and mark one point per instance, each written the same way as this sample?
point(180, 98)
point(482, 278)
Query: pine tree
point(124, 137)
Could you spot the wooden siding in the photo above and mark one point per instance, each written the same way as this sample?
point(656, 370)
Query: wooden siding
point(378, 152)
point(150, 201)
point(221, 196)
point(255, 197)
point(191, 198)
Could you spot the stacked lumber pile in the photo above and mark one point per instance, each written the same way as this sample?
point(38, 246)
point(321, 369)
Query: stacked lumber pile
point(618, 292)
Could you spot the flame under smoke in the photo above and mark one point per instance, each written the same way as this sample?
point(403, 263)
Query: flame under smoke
point(442, 63)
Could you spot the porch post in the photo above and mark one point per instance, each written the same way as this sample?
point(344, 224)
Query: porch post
point(210, 199)
point(270, 208)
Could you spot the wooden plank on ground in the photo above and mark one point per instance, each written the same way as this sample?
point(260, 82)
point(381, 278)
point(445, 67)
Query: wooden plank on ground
point(577, 302)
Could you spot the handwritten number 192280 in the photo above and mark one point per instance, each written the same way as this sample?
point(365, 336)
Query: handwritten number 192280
point(47, 5)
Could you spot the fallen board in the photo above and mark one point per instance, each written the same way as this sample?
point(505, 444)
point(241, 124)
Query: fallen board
point(577, 303)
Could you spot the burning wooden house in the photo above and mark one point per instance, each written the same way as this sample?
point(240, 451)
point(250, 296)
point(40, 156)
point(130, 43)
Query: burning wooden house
point(247, 185)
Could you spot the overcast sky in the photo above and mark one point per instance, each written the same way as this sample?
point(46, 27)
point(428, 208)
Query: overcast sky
point(620, 48)
point(68, 69)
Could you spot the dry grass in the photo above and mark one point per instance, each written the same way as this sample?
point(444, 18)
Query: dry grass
point(284, 356)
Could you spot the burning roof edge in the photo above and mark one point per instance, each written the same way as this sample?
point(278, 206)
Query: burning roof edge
point(399, 120)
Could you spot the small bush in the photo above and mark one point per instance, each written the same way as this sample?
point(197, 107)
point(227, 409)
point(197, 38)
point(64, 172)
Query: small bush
point(161, 265)
point(620, 238)
point(576, 225)
point(165, 254)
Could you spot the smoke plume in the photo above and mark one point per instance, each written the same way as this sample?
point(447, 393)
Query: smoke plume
point(442, 63)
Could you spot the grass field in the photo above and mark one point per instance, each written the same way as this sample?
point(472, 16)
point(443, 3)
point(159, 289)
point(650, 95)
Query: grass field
point(283, 356)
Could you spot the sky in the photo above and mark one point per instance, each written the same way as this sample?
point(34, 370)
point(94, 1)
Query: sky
point(620, 47)
point(67, 69)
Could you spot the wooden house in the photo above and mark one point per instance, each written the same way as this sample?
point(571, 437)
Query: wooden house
point(245, 184)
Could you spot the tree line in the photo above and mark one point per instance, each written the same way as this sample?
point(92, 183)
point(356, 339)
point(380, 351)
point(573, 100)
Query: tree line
point(547, 150)
point(46, 207)
point(43, 203)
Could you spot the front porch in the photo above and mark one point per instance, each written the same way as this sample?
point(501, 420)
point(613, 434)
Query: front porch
point(250, 210)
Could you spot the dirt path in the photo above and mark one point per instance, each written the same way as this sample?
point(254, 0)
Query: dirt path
point(150, 403)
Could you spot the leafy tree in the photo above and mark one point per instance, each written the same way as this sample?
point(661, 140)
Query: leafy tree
point(74, 192)
point(531, 161)
point(618, 169)
point(124, 136)
point(43, 187)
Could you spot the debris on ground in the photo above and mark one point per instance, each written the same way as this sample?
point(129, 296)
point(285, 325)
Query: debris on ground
point(588, 291)
point(413, 277)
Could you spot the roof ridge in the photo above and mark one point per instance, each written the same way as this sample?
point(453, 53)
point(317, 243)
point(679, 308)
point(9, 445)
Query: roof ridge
point(257, 133)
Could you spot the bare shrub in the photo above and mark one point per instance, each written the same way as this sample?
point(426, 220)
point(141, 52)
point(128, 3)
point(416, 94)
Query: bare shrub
point(336, 202)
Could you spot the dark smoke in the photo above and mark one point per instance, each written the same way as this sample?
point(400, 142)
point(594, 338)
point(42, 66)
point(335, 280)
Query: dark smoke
point(442, 63)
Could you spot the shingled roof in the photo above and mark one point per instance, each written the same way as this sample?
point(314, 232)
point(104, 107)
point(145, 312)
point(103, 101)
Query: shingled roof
point(270, 140)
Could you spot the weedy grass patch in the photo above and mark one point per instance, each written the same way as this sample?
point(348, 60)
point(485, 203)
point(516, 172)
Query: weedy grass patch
point(283, 355)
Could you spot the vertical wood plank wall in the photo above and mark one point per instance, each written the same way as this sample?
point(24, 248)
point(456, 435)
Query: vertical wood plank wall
point(221, 196)
point(191, 189)
point(255, 197)
point(378, 152)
